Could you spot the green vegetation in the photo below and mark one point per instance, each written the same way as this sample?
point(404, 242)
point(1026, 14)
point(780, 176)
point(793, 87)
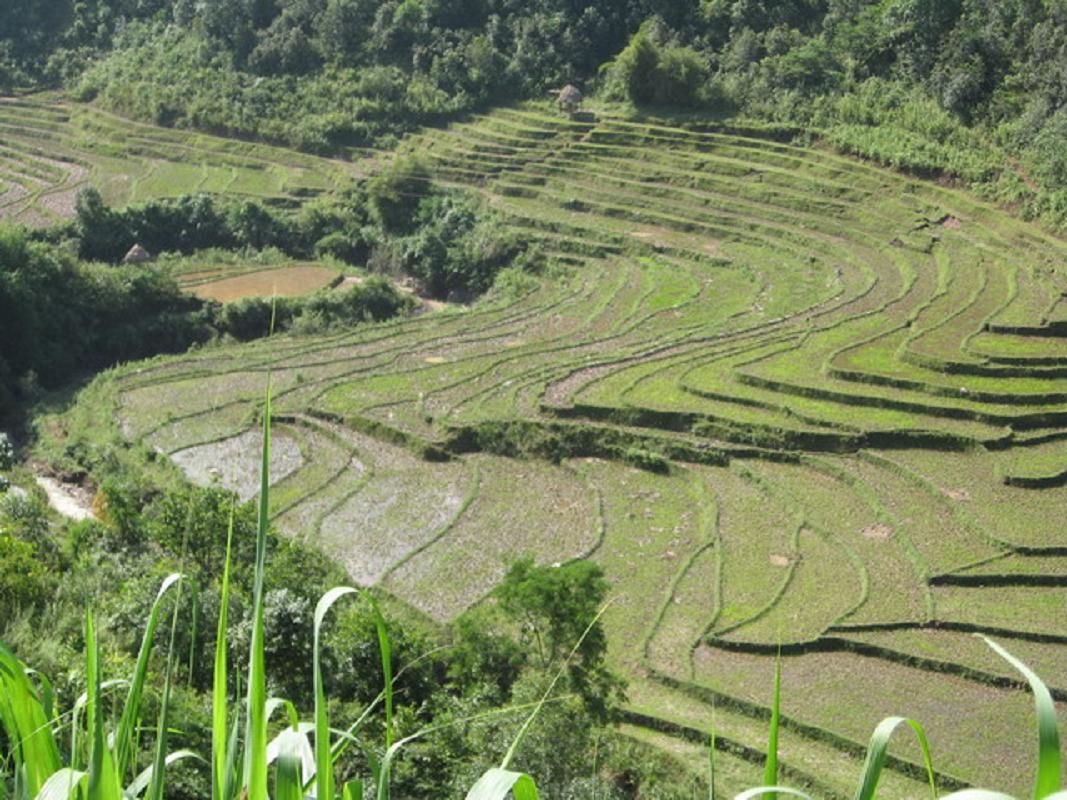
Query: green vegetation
point(767, 339)
point(728, 392)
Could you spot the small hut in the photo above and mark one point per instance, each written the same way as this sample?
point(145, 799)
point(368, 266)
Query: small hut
point(570, 99)
point(137, 255)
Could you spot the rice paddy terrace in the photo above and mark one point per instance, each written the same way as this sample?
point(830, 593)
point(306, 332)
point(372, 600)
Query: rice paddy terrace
point(49, 150)
point(858, 380)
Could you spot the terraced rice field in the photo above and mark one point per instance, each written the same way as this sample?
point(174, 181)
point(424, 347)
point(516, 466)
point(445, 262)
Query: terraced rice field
point(227, 285)
point(859, 381)
point(49, 150)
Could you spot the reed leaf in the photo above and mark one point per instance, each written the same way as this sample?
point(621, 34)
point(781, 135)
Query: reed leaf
point(289, 769)
point(551, 686)
point(496, 783)
point(104, 782)
point(141, 782)
point(760, 791)
point(27, 724)
point(159, 761)
point(770, 770)
point(324, 787)
point(255, 759)
point(62, 785)
point(1048, 777)
point(222, 783)
point(130, 720)
point(876, 755)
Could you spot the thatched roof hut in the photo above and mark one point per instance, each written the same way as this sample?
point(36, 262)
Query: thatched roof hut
point(570, 98)
point(137, 255)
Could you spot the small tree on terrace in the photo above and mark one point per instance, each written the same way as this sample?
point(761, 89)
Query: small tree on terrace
point(554, 605)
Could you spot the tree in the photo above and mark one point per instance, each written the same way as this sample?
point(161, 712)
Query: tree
point(556, 608)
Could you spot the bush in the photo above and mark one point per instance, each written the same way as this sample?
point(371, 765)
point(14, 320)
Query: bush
point(394, 195)
point(24, 579)
point(648, 72)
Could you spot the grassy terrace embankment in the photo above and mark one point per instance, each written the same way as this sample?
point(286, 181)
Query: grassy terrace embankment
point(857, 379)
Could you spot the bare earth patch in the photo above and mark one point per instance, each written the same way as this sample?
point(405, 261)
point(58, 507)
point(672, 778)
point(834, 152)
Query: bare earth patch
point(71, 501)
point(778, 560)
point(234, 463)
point(952, 223)
point(878, 530)
point(959, 495)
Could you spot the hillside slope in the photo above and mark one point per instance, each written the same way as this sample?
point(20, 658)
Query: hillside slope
point(785, 397)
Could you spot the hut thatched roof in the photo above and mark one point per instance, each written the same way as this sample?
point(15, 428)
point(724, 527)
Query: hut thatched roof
point(570, 94)
point(137, 255)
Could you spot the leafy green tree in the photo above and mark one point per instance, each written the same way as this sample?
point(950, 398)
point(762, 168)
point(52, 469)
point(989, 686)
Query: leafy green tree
point(556, 609)
point(649, 72)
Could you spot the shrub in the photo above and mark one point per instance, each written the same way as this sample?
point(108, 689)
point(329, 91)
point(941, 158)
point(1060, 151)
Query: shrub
point(648, 72)
point(394, 195)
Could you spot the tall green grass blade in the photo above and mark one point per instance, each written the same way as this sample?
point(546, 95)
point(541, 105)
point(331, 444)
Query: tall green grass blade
point(385, 648)
point(551, 686)
point(159, 762)
point(496, 783)
point(27, 724)
point(221, 762)
point(711, 764)
point(62, 785)
point(255, 759)
point(289, 769)
point(1048, 776)
point(353, 791)
point(104, 783)
point(324, 786)
point(770, 770)
point(130, 720)
point(194, 600)
point(876, 755)
point(141, 782)
point(760, 791)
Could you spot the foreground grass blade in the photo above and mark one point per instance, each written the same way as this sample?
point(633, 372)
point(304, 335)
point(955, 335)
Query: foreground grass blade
point(324, 788)
point(288, 772)
point(255, 760)
point(552, 685)
point(131, 713)
point(26, 724)
point(386, 650)
point(104, 783)
point(147, 776)
point(159, 762)
point(496, 783)
point(876, 755)
point(221, 782)
point(711, 760)
point(760, 791)
point(1049, 766)
point(979, 794)
point(770, 771)
point(63, 784)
